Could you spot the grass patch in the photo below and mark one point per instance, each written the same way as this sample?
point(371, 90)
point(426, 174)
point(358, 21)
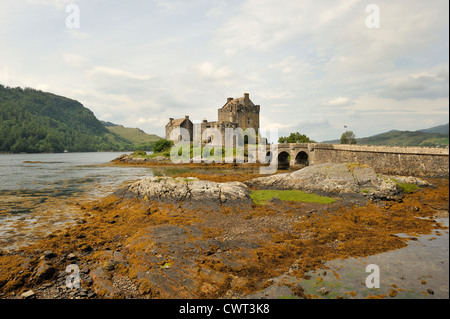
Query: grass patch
point(134, 135)
point(261, 197)
point(407, 188)
point(142, 154)
point(163, 154)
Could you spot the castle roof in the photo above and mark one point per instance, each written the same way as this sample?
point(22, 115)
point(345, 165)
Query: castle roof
point(238, 101)
point(176, 122)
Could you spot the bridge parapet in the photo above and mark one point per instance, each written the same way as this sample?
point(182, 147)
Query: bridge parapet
point(367, 148)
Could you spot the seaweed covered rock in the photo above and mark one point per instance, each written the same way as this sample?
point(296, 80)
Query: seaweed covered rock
point(187, 190)
point(334, 178)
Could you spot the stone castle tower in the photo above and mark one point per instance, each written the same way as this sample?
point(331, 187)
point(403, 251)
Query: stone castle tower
point(236, 113)
point(241, 111)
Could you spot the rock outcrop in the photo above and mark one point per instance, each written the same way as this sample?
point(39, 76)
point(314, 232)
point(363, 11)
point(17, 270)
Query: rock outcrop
point(130, 159)
point(322, 178)
point(411, 180)
point(187, 190)
point(334, 178)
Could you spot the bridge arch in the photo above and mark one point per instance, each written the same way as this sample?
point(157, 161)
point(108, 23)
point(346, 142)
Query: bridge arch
point(283, 160)
point(302, 158)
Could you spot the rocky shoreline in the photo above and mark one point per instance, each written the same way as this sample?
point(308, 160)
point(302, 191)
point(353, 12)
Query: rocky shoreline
point(183, 237)
point(131, 160)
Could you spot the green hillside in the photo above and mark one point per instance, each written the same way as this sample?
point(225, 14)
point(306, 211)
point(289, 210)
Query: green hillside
point(437, 136)
point(407, 138)
point(442, 129)
point(139, 138)
point(33, 121)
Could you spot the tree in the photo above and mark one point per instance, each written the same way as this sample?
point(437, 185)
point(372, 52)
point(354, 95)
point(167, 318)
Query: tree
point(295, 138)
point(162, 145)
point(348, 137)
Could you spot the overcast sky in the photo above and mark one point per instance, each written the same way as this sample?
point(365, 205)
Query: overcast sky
point(313, 65)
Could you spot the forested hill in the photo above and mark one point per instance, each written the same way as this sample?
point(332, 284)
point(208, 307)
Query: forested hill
point(33, 121)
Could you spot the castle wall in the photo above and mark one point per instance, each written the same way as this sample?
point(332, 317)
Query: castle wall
point(174, 130)
point(169, 130)
point(188, 125)
point(244, 113)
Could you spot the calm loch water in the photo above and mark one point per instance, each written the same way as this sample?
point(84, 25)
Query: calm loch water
point(38, 192)
point(42, 177)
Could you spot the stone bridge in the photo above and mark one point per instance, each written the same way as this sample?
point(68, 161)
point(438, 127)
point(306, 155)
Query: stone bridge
point(390, 160)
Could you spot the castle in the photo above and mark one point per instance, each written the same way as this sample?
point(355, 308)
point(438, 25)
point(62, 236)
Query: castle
point(236, 113)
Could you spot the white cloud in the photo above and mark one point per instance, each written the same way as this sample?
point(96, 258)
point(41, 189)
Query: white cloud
point(77, 34)
point(277, 94)
point(75, 60)
point(113, 72)
point(152, 121)
point(374, 105)
point(338, 101)
point(169, 5)
point(425, 85)
point(265, 24)
point(291, 66)
point(209, 71)
point(57, 4)
point(217, 10)
point(374, 53)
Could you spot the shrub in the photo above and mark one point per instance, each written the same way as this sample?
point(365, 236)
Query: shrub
point(162, 145)
point(407, 188)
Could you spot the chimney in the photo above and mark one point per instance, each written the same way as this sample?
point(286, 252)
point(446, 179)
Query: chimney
point(229, 99)
point(171, 120)
point(246, 99)
point(187, 117)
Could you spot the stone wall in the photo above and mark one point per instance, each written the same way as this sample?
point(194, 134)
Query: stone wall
point(173, 131)
point(410, 161)
point(241, 111)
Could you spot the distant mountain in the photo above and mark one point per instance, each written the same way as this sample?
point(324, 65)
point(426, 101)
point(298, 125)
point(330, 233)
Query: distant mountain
point(331, 142)
point(138, 137)
point(33, 121)
point(437, 136)
point(406, 138)
point(440, 129)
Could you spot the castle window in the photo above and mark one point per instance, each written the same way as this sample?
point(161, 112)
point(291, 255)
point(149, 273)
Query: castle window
point(248, 121)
